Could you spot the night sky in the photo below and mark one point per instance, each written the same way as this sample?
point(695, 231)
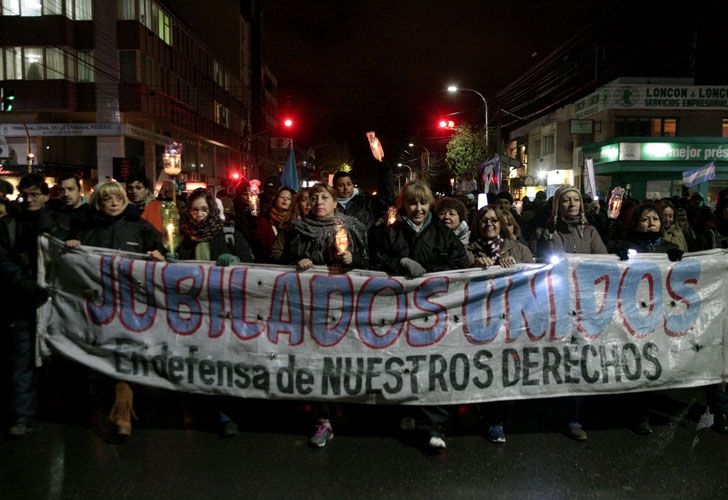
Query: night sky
point(348, 67)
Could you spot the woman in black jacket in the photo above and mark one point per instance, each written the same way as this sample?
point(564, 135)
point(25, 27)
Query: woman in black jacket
point(115, 223)
point(417, 242)
point(205, 234)
point(324, 238)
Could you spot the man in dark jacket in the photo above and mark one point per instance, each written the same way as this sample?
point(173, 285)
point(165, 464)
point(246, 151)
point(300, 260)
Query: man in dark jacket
point(18, 271)
point(70, 207)
point(360, 205)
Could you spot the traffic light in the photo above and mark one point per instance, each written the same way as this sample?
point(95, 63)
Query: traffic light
point(236, 176)
point(6, 100)
point(446, 124)
point(288, 123)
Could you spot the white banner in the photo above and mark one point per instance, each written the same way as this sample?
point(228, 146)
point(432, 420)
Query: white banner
point(586, 325)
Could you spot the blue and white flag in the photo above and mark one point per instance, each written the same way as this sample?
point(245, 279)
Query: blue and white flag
point(699, 175)
point(289, 178)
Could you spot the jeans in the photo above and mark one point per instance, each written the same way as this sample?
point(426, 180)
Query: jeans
point(20, 362)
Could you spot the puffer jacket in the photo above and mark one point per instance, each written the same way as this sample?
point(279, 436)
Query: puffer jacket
point(127, 232)
point(436, 248)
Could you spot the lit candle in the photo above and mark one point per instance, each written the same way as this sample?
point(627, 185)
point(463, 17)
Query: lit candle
point(170, 237)
point(254, 204)
point(615, 202)
point(342, 240)
point(391, 215)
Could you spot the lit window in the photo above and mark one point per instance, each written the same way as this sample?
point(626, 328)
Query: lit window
point(724, 132)
point(30, 8)
point(669, 127)
point(54, 63)
point(656, 129)
point(52, 7)
point(33, 63)
point(13, 64)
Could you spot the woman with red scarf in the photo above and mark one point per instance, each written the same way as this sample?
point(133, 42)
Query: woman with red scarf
point(270, 224)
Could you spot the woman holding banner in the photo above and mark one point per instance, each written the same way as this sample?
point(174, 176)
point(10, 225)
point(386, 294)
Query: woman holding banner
point(207, 238)
point(492, 244)
point(115, 223)
point(568, 232)
point(417, 242)
point(325, 238)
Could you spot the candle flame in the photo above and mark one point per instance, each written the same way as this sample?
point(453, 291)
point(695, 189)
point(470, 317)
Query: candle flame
point(391, 215)
point(342, 240)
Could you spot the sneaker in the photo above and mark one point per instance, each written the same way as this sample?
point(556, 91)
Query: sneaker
point(437, 443)
point(575, 432)
point(324, 432)
point(21, 427)
point(228, 429)
point(496, 434)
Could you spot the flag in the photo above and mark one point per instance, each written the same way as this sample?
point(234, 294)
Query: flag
point(289, 177)
point(699, 175)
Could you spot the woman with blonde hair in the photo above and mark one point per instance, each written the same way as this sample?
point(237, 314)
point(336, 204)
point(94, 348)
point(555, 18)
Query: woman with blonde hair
point(115, 223)
point(418, 242)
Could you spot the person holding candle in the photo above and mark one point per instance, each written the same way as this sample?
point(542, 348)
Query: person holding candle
point(325, 238)
point(418, 242)
point(115, 223)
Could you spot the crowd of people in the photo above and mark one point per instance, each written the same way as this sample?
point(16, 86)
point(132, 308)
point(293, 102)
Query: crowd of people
point(408, 236)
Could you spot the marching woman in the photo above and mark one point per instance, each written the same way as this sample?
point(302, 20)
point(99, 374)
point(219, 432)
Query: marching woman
point(417, 242)
point(644, 234)
point(270, 224)
point(325, 238)
point(492, 244)
point(114, 223)
point(206, 238)
point(568, 232)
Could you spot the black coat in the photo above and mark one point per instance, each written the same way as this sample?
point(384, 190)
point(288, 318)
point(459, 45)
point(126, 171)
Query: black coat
point(436, 248)
point(127, 232)
point(220, 245)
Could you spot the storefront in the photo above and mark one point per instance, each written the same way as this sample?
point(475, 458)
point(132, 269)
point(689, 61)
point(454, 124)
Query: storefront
point(652, 167)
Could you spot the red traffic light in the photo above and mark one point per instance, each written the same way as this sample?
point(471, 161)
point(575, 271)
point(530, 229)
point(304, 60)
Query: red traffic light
point(447, 124)
point(288, 123)
point(236, 175)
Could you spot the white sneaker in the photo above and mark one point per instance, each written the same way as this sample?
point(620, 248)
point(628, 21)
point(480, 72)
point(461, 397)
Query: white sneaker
point(437, 442)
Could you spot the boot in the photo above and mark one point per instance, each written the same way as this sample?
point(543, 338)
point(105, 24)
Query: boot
point(122, 411)
point(720, 424)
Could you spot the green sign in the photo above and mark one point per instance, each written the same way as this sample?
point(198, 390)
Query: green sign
point(657, 151)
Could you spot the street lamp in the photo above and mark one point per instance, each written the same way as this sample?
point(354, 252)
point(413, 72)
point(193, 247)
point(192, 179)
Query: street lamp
point(454, 88)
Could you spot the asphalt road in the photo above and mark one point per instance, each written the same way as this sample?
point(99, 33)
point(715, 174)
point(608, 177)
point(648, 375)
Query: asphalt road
point(175, 453)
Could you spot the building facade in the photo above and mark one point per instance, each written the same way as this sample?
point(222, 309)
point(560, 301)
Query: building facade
point(101, 86)
point(641, 134)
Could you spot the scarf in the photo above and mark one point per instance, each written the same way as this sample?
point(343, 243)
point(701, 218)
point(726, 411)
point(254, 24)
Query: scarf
point(277, 216)
point(493, 248)
point(418, 229)
point(322, 234)
point(205, 230)
point(462, 232)
point(344, 201)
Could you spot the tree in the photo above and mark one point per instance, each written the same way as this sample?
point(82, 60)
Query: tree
point(466, 150)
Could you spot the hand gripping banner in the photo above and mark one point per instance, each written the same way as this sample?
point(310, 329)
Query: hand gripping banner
point(585, 325)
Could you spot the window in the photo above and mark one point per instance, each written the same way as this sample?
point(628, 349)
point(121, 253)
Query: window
point(81, 10)
point(724, 129)
point(13, 63)
point(85, 66)
point(548, 145)
point(664, 127)
point(52, 7)
point(632, 127)
point(54, 64)
point(11, 8)
point(127, 9)
point(30, 8)
point(537, 148)
point(128, 65)
point(33, 63)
